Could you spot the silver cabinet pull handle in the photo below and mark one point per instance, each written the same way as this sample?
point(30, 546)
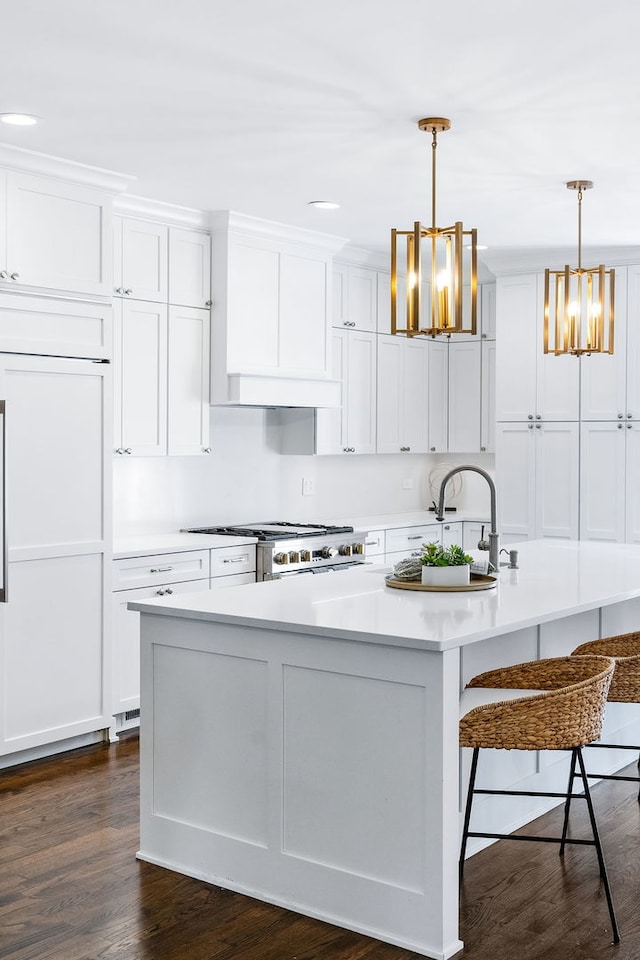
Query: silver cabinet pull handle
point(160, 569)
point(416, 537)
point(235, 559)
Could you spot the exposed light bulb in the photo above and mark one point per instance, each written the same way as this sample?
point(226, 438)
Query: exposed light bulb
point(19, 119)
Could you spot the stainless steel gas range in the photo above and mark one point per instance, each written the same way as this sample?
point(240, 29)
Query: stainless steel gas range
point(286, 549)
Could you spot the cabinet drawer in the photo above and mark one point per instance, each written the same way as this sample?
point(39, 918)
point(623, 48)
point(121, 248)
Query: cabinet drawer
point(69, 328)
point(233, 560)
point(374, 544)
point(411, 538)
point(161, 568)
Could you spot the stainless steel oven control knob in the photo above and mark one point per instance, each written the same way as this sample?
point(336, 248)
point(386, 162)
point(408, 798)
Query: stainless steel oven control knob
point(345, 550)
point(281, 558)
point(305, 556)
point(358, 548)
point(294, 556)
point(328, 552)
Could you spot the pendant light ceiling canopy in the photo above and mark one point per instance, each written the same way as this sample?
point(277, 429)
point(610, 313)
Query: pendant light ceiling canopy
point(579, 302)
point(438, 292)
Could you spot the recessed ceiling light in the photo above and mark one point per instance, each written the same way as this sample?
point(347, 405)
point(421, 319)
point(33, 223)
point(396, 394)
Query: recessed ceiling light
point(324, 204)
point(19, 119)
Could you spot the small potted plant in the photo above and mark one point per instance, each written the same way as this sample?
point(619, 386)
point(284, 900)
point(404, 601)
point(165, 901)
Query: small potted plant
point(445, 566)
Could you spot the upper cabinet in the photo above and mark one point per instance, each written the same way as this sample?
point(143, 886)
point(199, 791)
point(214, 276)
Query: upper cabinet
point(355, 297)
point(609, 382)
point(140, 255)
point(402, 395)
point(271, 314)
point(160, 263)
point(529, 384)
point(54, 236)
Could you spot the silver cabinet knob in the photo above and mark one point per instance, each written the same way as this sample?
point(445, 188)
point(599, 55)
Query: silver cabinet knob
point(15, 276)
point(206, 450)
point(538, 417)
point(120, 290)
point(530, 426)
point(405, 449)
point(208, 303)
point(119, 450)
point(482, 449)
point(629, 426)
point(619, 426)
point(629, 416)
point(128, 450)
point(619, 416)
point(4, 275)
point(538, 426)
point(168, 590)
point(530, 416)
point(128, 292)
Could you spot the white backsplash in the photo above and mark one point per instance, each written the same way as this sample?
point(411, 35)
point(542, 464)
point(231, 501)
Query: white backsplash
point(245, 479)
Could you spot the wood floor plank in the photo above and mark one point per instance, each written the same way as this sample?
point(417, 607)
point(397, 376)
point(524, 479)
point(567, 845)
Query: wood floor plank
point(71, 888)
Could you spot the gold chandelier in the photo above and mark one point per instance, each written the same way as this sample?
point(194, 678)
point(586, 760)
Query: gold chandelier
point(435, 255)
point(579, 310)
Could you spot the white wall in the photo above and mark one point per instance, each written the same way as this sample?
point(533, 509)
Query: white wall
point(246, 479)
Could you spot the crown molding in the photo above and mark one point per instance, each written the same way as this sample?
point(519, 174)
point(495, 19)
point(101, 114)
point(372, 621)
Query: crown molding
point(29, 161)
point(518, 260)
point(239, 224)
point(147, 209)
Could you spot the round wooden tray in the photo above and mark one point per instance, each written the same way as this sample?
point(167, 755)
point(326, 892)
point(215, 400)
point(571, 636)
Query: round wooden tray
point(479, 581)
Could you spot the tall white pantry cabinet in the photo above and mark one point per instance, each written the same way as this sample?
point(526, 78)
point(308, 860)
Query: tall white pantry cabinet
point(567, 448)
point(55, 384)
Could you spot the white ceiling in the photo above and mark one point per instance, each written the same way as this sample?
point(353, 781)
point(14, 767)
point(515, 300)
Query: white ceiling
point(263, 105)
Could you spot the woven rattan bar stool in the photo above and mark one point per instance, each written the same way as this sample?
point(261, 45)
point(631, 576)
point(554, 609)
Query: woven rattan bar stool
point(625, 686)
point(560, 707)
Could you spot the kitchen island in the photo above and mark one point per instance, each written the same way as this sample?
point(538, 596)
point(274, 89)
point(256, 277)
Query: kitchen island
point(299, 738)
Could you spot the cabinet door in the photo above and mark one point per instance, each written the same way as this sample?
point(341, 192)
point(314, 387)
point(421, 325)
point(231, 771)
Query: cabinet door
point(557, 480)
point(602, 481)
point(516, 479)
point(415, 395)
point(517, 347)
point(464, 396)
point(125, 665)
point(330, 422)
point(389, 418)
point(603, 387)
point(144, 260)
point(303, 347)
point(58, 235)
point(488, 396)
point(383, 299)
point(632, 406)
point(52, 636)
point(141, 405)
point(632, 499)
point(188, 382)
point(451, 534)
point(339, 295)
point(487, 299)
point(438, 387)
point(360, 399)
point(362, 298)
point(189, 268)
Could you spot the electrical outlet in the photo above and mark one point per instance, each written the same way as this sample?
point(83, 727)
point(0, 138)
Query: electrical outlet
point(407, 484)
point(307, 487)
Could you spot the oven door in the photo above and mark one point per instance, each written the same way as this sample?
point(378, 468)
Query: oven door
point(337, 568)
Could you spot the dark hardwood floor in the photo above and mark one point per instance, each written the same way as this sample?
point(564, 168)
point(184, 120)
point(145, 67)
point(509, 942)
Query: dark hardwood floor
point(71, 888)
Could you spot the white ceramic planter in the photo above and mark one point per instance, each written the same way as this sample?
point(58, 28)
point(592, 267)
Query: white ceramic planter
point(446, 576)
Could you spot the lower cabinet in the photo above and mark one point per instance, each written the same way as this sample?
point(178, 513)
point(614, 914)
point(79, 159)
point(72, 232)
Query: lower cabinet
point(142, 578)
point(404, 542)
point(537, 475)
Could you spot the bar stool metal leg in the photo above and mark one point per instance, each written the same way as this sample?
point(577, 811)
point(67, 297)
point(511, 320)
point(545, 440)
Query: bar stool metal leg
point(467, 812)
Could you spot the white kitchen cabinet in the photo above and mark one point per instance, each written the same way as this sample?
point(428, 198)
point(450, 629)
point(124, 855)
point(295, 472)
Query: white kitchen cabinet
point(537, 475)
point(140, 258)
point(159, 575)
point(271, 314)
point(188, 382)
point(53, 627)
point(383, 300)
point(402, 395)
point(530, 385)
point(610, 467)
point(53, 325)
point(609, 382)
point(374, 546)
point(54, 235)
point(488, 396)
point(140, 378)
point(189, 268)
point(351, 428)
point(438, 388)
point(487, 301)
point(464, 407)
point(355, 297)
point(161, 379)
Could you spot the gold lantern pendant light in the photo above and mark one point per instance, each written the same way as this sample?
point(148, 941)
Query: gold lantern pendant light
point(579, 310)
point(435, 254)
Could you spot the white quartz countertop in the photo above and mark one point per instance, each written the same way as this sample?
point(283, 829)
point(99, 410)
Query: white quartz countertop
point(555, 579)
point(392, 521)
point(144, 545)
